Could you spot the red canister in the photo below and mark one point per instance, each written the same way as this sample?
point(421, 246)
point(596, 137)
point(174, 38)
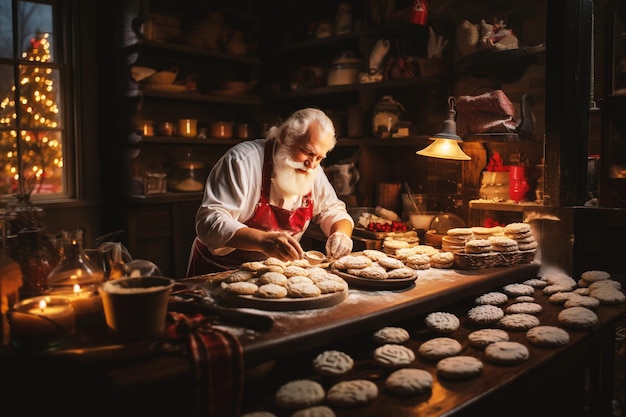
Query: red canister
point(419, 12)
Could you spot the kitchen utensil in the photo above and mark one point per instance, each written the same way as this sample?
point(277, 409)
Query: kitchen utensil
point(188, 302)
point(411, 199)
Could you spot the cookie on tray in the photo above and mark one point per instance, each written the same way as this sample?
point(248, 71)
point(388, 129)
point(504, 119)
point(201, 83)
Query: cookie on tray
point(442, 260)
point(391, 334)
point(518, 321)
point(442, 322)
point(459, 367)
point(392, 355)
point(299, 393)
point(492, 298)
point(481, 338)
point(409, 381)
point(577, 318)
point(547, 336)
point(485, 314)
point(439, 348)
point(352, 393)
point(333, 363)
point(506, 353)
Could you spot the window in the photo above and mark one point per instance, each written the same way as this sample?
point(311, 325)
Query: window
point(33, 135)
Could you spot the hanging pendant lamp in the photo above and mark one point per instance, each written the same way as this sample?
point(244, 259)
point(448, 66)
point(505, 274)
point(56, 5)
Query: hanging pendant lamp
point(446, 142)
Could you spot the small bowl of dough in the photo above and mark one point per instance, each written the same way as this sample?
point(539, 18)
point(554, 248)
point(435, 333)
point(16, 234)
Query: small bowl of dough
point(314, 257)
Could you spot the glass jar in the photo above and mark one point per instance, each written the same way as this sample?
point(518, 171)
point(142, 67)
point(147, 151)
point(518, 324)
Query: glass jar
point(189, 175)
point(75, 267)
point(36, 257)
point(386, 115)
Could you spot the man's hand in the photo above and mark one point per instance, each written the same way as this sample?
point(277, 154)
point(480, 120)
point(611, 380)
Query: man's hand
point(338, 244)
point(281, 245)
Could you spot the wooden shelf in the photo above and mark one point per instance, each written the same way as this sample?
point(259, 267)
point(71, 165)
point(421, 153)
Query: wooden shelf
point(423, 82)
point(505, 206)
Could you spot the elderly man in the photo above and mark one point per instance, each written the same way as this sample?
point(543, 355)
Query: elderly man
point(261, 196)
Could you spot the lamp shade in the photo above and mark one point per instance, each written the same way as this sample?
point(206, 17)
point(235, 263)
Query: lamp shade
point(445, 149)
point(446, 143)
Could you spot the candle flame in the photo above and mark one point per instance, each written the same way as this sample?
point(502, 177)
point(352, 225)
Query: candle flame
point(76, 289)
point(42, 305)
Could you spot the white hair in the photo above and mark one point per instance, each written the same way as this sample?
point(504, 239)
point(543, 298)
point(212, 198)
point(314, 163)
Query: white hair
point(298, 124)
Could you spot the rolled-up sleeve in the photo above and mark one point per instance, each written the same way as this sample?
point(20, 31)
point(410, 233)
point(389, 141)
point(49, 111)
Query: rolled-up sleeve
point(328, 208)
point(232, 190)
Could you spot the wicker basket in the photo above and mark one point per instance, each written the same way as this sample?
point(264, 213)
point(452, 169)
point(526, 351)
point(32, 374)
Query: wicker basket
point(509, 258)
point(464, 260)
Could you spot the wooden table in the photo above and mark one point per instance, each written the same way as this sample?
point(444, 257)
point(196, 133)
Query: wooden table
point(100, 376)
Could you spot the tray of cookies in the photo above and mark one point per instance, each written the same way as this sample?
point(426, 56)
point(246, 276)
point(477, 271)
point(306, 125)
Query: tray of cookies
point(286, 303)
point(374, 270)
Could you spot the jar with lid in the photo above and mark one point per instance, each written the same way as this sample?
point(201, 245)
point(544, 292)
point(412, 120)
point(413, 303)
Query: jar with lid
point(386, 114)
point(75, 267)
point(189, 175)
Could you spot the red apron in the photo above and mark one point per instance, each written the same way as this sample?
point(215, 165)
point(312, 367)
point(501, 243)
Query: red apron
point(265, 217)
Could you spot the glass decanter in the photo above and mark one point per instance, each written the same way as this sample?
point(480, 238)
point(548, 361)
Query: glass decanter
point(75, 267)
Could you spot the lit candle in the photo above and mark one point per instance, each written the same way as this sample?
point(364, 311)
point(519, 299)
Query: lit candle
point(42, 321)
point(85, 300)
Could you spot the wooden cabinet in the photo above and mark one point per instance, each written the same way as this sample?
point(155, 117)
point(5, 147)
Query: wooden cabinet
point(212, 48)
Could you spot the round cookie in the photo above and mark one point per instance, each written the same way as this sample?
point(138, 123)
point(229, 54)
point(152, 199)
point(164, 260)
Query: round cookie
point(459, 367)
point(374, 254)
point(503, 244)
point(478, 246)
point(492, 298)
point(524, 307)
point(439, 348)
point(442, 322)
point(582, 301)
point(485, 314)
point(329, 286)
point(393, 355)
point(518, 321)
point(577, 318)
point(333, 363)
point(607, 294)
point(593, 276)
point(239, 275)
point(506, 353)
point(390, 263)
point(299, 393)
point(294, 270)
point(535, 283)
point(373, 271)
point(515, 290)
point(409, 381)
point(560, 297)
point(547, 336)
point(271, 291)
point(481, 338)
point(418, 261)
point(400, 273)
point(315, 411)
point(391, 334)
point(273, 278)
point(352, 393)
point(442, 260)
point(524, 299)
point(303, 290)
point(241, 288)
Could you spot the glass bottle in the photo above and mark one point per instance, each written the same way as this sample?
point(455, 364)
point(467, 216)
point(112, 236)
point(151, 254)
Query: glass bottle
point(75, 267)
point(34, 253)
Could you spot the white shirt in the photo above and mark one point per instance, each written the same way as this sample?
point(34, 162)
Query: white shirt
point(233, 190)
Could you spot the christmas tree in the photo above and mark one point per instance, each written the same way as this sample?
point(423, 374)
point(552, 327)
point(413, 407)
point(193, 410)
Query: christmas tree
point(36, 147)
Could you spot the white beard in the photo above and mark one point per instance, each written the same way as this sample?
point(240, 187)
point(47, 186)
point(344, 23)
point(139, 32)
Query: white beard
point(290, 177)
